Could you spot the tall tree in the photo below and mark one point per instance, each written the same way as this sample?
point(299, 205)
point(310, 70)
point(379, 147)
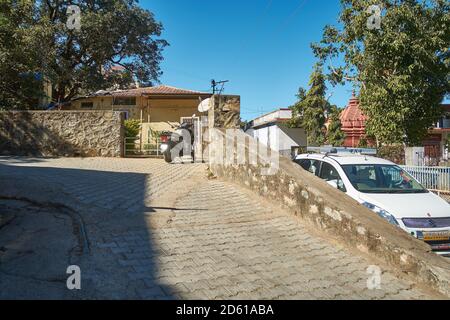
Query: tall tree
point(401, 68)
point(77, 60)
point(310, 110)
point(335, 135)
point(20, 56)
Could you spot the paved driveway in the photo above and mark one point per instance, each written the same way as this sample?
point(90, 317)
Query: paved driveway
point(142, 229)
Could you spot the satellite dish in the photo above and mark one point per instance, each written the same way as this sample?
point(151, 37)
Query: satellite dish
point(204, 105)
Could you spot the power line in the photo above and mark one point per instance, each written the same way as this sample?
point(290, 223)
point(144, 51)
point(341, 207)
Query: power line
point(294, 13)
point(288, 20)
point(257, 25)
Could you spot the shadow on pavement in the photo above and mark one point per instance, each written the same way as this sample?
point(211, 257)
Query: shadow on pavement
point(52, 211)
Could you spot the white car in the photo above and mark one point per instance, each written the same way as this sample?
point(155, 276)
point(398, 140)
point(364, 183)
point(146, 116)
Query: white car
point(388, 190)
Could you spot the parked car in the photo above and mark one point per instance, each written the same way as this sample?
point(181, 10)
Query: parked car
point(386, 189)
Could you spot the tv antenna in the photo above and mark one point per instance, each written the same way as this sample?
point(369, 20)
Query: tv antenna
point(215, 84)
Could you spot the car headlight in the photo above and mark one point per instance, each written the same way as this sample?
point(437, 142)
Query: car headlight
point(382, 213)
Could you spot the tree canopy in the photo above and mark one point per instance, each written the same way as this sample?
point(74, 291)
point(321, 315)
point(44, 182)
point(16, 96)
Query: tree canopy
point(38, 43)
point(335, 135)
point(401, 69)
point(312, 106)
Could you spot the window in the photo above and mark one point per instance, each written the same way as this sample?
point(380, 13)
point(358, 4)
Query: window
point(87, 105)
point(382, 179)
point(124, 101)
point(310, 165)
point(329, 173)
point(126, 115)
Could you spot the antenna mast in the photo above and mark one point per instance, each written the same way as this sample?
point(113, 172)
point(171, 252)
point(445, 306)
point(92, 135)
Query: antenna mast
point(215, 84)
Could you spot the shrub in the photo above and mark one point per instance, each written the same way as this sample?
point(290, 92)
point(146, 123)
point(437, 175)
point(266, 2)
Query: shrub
point(394, 153)
point(132, 128)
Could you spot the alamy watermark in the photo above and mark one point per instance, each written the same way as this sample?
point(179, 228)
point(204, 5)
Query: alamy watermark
point(227, 148)
point(74, 280)
point(74, 17)
point(374, 21)
point(234, 147)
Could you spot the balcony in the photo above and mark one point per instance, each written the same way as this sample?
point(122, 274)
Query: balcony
point(444, 123)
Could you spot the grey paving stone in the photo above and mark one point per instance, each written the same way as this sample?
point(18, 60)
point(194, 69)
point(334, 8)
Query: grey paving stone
point(220, 242)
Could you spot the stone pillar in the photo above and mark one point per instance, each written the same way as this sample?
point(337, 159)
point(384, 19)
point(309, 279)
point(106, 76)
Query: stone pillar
point(225, 112)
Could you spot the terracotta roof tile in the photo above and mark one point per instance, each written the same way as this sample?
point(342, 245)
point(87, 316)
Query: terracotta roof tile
point(158, 90)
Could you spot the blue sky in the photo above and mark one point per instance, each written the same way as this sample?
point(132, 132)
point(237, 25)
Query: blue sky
point(261, 46)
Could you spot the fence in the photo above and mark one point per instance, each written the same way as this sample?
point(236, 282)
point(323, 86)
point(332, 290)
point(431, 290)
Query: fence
point(432, 178)
point(135, 148)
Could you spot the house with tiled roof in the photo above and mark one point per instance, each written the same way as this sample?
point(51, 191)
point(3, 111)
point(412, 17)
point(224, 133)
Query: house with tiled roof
point(160, 108)
point(148, 104)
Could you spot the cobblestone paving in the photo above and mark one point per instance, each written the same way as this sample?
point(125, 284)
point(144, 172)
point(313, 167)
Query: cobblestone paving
point(161, 231)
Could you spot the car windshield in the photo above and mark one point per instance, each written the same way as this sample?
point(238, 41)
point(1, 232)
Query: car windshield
point(382, 179)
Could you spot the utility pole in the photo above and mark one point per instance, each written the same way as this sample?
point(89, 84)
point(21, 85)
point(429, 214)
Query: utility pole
point(215, 84)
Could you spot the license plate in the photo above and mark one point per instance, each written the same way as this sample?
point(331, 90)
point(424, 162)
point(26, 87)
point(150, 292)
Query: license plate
point(436, 236)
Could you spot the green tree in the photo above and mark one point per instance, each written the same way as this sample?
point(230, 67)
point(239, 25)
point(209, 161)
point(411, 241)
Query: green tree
point(20, 57)
point(401, 69)
point(76, 61)
point(335, 135)
point(309, 112)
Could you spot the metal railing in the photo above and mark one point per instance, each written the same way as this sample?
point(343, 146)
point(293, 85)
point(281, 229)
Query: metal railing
point(135, 148)
point(433, 178)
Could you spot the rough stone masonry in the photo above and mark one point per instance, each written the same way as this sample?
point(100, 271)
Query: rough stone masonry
point(311, 199)
point(61, 133)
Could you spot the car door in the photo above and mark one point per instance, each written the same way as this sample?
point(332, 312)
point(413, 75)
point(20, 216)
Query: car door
point(330, 174)
point(310, 165)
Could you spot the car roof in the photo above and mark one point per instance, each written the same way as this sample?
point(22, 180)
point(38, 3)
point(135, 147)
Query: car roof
point(347, 159)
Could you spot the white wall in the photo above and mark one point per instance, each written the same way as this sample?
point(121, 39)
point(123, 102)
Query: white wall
point(280, 138)
point(268, 136)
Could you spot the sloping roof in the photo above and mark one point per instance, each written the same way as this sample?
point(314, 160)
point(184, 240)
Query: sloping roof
point(146, 91)
point(278, 115)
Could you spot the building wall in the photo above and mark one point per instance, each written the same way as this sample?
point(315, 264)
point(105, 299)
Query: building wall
point(171, 109)
point(268, 136)
point(147, 110)
point(293, 137)
point(280, 138)
point(106, 103)
point(62, 133)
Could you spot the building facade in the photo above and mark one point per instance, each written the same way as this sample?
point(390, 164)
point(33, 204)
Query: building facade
point(272, 130)
point(151, 104)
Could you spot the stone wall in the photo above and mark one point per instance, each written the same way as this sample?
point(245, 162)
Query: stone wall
point(62, 133)
point(311, 199)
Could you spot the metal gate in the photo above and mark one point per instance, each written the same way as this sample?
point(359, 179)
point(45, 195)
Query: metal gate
point(198, 125)
point(136, 148)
